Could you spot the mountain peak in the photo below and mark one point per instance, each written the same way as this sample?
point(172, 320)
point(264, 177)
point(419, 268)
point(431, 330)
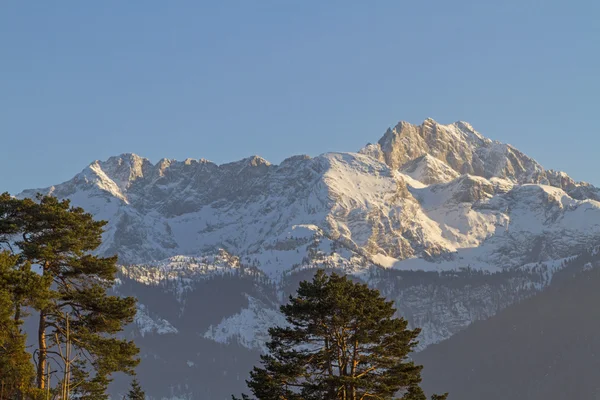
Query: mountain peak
point(124, 169)
point(131, 157)
point(253, 162)
point(458, 146)
point(256, 161)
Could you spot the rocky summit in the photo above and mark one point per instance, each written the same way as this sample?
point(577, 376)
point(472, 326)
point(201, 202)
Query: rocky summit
point(449, 224)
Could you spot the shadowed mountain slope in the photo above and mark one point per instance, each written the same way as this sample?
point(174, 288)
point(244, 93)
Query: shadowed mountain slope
point(546, 347)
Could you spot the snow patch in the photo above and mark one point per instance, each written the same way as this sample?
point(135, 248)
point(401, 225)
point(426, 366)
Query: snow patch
point(249, 327)
point(148, 325)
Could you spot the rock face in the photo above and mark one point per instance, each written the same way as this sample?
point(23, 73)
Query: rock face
point(465, 151)
point(449, 224)
point(429, 170)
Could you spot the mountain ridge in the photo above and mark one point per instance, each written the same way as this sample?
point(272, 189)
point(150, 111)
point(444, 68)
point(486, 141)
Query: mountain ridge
point(385, 186)
point(387, 149)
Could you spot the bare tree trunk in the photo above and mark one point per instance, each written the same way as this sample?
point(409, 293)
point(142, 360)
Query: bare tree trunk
point(68, 359)
point(354, 366)
point(42, 352)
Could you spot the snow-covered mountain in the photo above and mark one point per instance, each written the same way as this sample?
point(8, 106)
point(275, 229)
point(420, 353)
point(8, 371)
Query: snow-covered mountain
point(451, 225)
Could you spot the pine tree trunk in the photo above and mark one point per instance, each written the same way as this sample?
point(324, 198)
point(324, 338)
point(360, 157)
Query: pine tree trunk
point(18, 315)
point(42, 355)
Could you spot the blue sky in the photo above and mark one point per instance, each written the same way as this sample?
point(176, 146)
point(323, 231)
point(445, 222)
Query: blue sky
point(226, 79)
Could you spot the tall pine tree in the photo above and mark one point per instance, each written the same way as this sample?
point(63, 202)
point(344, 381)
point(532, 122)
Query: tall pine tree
point(59, 240)
point(342, 341)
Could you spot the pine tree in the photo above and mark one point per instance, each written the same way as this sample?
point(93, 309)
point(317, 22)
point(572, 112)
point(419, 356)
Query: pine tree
point(16, 370)
point(136, 392)
point(342, 342)
point(60, 239)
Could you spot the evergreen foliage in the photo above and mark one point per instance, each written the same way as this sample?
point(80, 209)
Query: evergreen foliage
point(16, 370)
point(136, 392)
point(342, 342)
point(77, 319)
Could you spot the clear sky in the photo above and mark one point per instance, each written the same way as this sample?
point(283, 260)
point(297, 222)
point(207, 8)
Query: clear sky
point(84, 80)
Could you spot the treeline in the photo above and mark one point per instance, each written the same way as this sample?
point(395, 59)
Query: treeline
point(50, 278)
